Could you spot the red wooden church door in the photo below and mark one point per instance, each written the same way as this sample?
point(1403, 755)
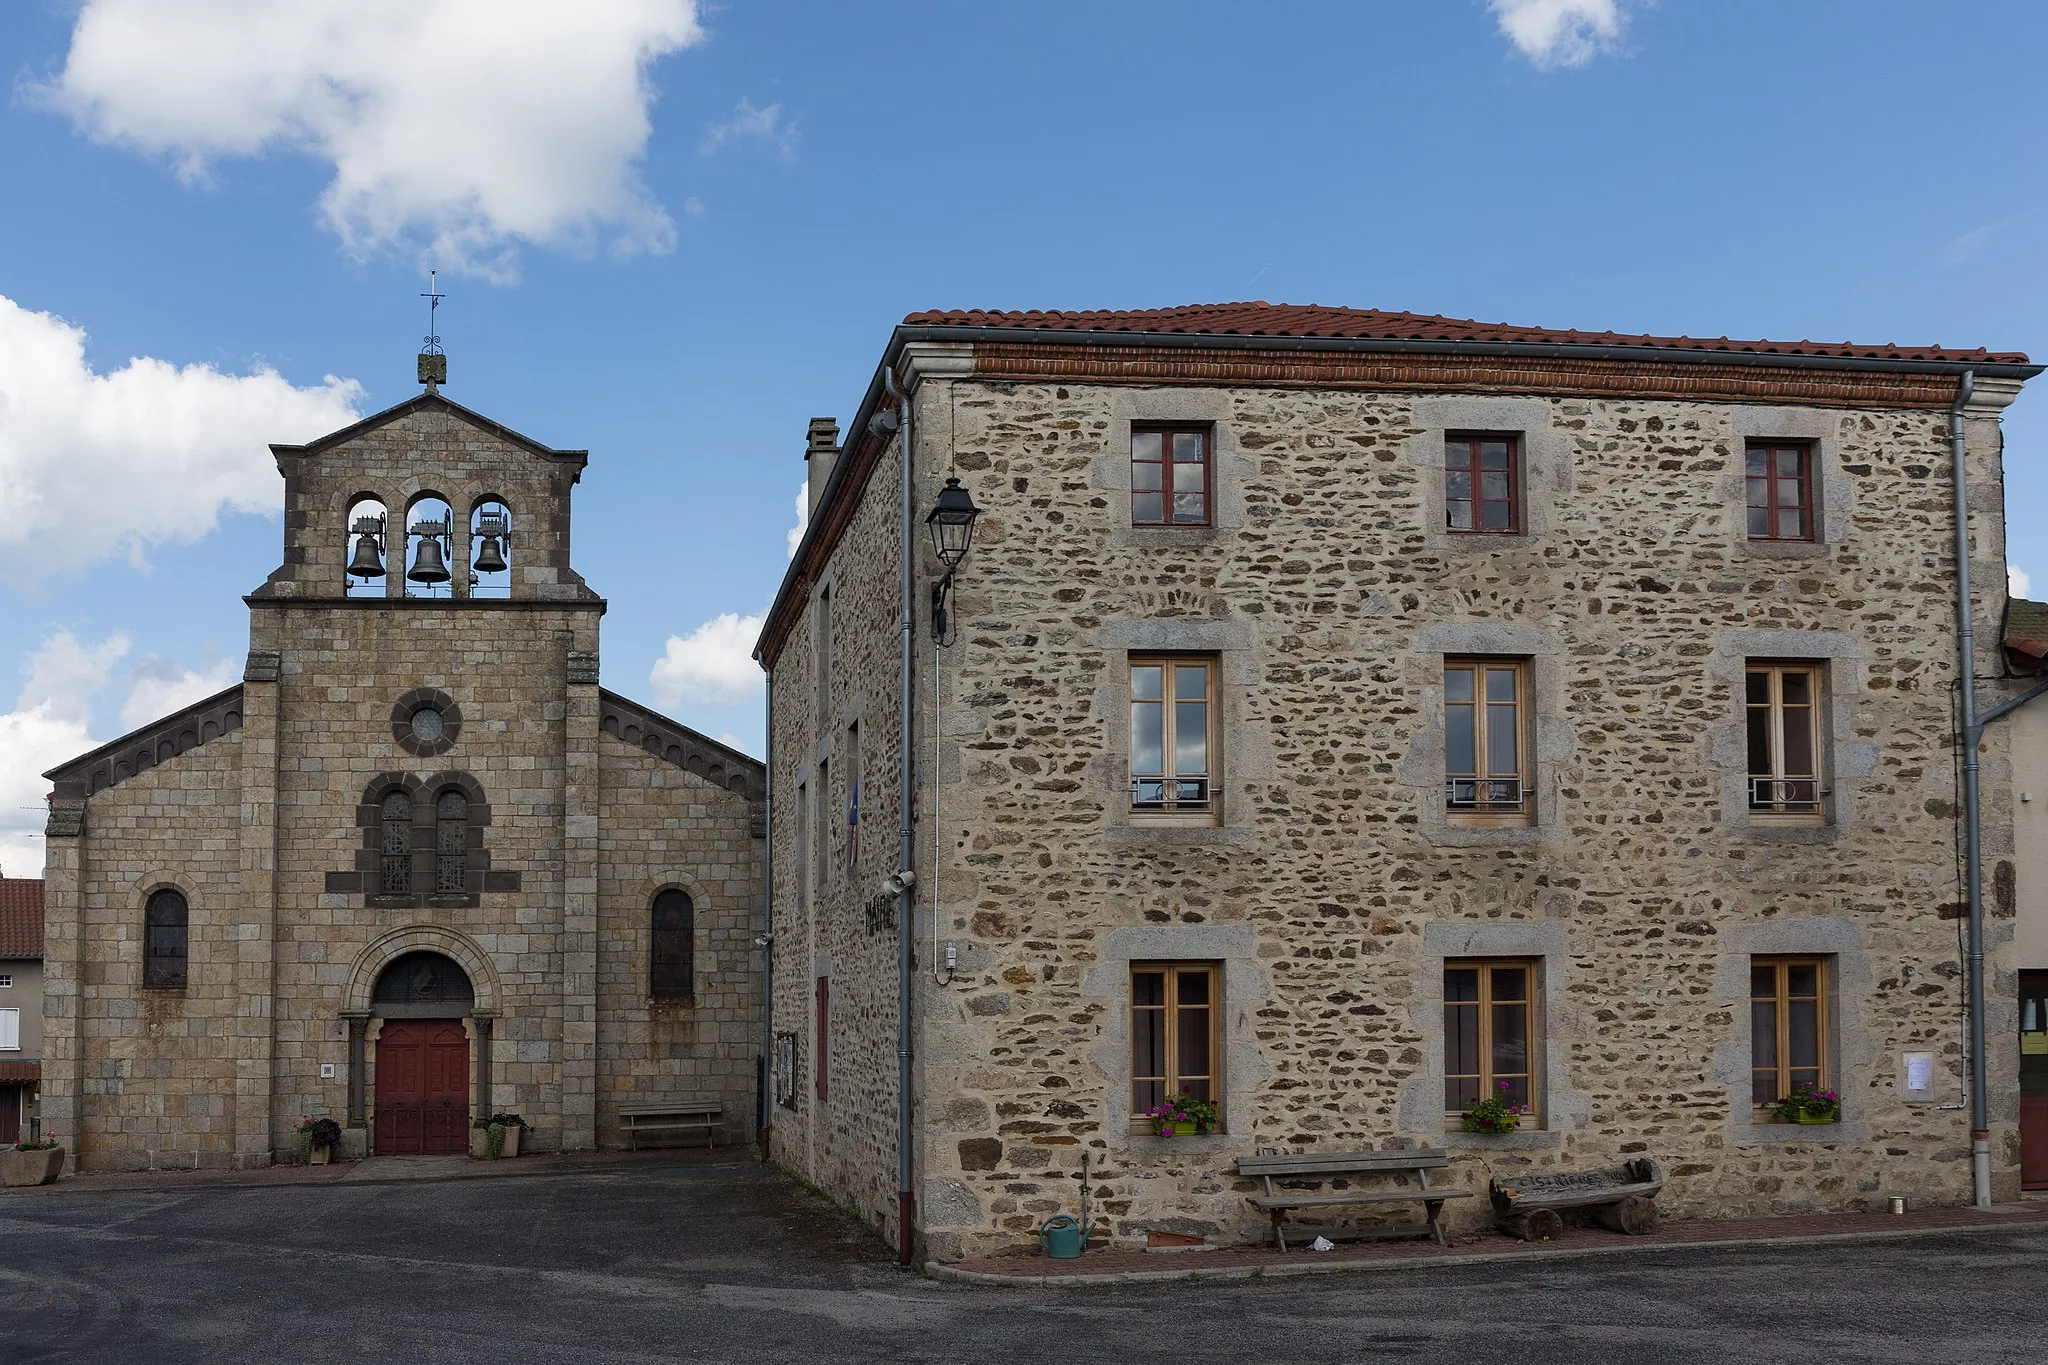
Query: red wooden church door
point(422, 1087)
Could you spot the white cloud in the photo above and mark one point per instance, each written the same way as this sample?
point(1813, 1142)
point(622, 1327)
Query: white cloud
point(711, 666)
point(47, 726)
point(458, 126)
point(1958, 252)
point(803, 517)
point(748, 124)
point(93, 465)
point(2018, 582)
point(1560, 33)
point(51, 723)
point(162, 686)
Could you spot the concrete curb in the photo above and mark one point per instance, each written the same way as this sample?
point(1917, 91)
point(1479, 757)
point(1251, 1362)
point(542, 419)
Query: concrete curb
point(1295, 1269)
point(177, 1182)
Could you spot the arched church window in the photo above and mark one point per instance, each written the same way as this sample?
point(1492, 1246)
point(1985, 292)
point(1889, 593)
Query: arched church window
point(395, 821)
point(364, 550)
point(428, 527)
point(671, 967)
point(164, 942)
point(490, 549)
point(451, 841)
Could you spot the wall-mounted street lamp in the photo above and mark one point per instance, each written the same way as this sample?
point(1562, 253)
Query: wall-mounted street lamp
point(951, 522)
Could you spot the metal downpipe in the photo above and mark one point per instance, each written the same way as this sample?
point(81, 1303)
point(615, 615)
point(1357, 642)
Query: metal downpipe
point(1973, 830)
point(906, 906)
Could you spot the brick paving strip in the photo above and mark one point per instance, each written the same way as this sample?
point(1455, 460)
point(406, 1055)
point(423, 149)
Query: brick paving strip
point(1126, 1267)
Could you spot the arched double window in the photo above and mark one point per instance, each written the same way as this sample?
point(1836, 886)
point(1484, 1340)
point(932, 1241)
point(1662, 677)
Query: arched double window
point(164, 942)
point(394, 818)
point(451, 841)
point(672, 964)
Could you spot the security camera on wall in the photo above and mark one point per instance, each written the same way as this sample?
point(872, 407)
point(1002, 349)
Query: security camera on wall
point(900, 882)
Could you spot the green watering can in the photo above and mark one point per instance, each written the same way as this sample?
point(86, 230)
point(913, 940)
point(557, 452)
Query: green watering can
point(1062, 1237)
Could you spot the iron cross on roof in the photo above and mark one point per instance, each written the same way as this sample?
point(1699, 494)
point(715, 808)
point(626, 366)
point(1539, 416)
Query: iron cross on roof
point(433, 362)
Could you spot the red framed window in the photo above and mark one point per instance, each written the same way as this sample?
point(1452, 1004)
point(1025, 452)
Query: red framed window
point(1483, 484)
point(1780, 480)
point(1170, 476)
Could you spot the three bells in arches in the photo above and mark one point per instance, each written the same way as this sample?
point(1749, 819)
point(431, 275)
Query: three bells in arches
point(429, 544)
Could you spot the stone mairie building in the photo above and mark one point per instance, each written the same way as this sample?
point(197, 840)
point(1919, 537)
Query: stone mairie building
point(1351, 715)
point(416, 868)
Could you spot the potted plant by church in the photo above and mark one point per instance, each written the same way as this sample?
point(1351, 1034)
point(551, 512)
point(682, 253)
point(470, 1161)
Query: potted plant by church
point(317, 1140)
point(34, 1162)
point(501, 1135)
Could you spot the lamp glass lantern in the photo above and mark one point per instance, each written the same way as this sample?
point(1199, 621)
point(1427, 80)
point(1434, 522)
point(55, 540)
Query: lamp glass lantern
point(952, 523)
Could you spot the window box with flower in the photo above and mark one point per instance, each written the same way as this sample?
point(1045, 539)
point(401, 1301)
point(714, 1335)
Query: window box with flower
point(1182, 1115)
point(1809, 1104)
point(1494, 1114)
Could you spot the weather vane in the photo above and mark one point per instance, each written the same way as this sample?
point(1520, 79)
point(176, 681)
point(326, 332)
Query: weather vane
point(433, 368)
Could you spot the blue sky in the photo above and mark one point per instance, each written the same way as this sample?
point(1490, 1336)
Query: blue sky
point(676, 271)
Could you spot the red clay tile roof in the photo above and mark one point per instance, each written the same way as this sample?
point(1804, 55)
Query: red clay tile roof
point(1314, 320)
point(21, 916)
point(2026, 627)
point(21, 1073)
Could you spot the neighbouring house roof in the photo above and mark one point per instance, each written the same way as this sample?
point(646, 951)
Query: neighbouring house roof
point(1259, 319)
point(21, 1073)
point(2026, 629)
point(21, 917)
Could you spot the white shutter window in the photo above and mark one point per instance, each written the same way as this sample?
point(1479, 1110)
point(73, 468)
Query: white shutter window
point(10, 1030)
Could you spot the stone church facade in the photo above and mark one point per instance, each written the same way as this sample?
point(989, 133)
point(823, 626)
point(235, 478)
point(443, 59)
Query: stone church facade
point(1351, 714)
point(417, 867)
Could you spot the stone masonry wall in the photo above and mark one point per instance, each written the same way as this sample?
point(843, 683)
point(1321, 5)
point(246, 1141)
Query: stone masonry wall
point(156, 1083)
point(1333, 889)
point(663, 827)
point(845, 1145)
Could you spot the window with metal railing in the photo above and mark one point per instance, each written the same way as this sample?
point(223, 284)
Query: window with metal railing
point(1486, 748)
point(1173, 740)
point(1782, 713)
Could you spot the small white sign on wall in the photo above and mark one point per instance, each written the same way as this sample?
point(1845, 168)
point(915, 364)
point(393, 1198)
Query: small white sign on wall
point(1916, 1075)
point(327, 1071)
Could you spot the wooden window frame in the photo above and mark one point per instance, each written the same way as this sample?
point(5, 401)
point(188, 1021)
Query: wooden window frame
point(803, 844)
point(680, 983)
point(1468, 443)
point(822, 1041)
point(824, 655)
point(1532, 1030)
point(821, 830)
point(1771, 480)
point(1171, 1082)
point(1166, 431)
point(1209, 810)
point(1784, 808)
point(1492, 813)
point(1782, 1000)
point(157, 972)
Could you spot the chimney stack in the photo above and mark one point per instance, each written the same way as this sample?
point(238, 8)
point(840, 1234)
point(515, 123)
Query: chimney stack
point(821, 453)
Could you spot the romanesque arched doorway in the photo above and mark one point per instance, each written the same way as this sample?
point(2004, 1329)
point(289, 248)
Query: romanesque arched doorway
point(423, 1078)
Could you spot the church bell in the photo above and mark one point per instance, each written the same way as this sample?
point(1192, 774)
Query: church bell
point(489, 558)
point(428, 564)
point(367, 562)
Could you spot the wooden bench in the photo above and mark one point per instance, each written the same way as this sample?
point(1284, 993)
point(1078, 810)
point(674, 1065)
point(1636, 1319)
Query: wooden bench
point(1324, 1167)
point(1532, 1207)
point(671, 1118)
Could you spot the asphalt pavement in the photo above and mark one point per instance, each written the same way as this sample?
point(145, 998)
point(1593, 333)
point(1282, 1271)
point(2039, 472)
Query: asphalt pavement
point(694, 1260)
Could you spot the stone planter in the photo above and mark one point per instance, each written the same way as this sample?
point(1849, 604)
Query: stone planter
point(320, 1156)
point(30, 1168)
point(480, 1143)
